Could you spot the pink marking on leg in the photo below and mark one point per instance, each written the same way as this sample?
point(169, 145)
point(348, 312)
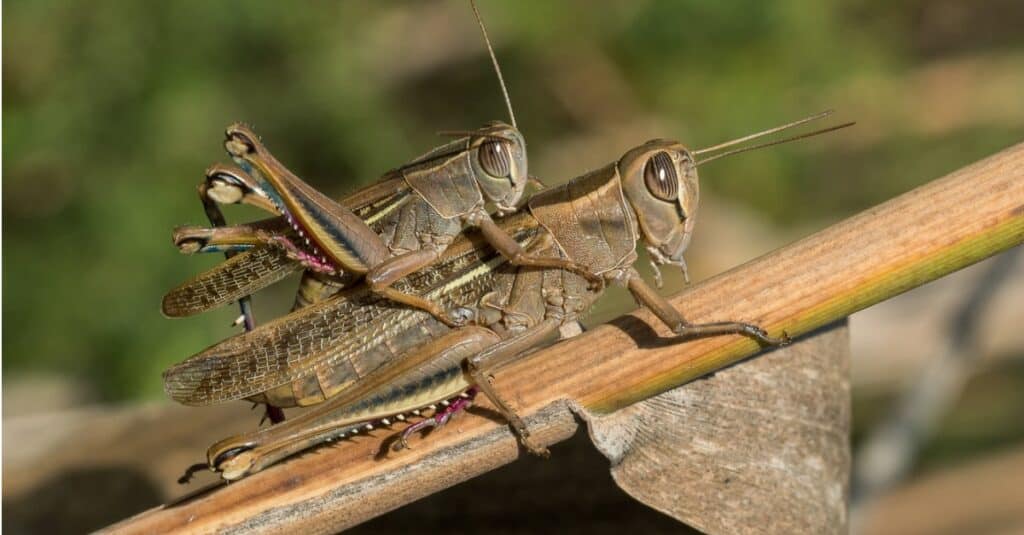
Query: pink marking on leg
point(308, 260)
point(439, 418)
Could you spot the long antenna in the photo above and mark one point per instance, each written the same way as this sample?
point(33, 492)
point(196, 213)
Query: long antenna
point(763, 133)
point(776, 142)
point(494, 60)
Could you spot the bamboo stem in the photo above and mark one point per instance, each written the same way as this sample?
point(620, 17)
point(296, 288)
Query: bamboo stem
point(943, 226)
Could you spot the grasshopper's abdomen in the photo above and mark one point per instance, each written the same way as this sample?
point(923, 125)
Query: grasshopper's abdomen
point(440, 378)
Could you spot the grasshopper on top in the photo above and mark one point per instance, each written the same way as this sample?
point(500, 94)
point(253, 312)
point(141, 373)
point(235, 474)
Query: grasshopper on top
point(417, 210)
point(384, 232)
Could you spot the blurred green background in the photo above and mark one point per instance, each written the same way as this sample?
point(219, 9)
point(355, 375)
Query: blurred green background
point(113, 109)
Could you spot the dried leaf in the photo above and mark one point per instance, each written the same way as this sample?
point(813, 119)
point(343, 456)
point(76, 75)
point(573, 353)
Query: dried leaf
point(760, 447)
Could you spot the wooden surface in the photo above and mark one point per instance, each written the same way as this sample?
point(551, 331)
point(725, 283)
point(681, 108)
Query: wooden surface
point(922, 235)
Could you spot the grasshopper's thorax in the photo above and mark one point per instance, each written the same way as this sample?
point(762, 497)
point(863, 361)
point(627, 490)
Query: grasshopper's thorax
point(659, 179)
point(590, 220)
point(650, 193)
point(485, 166)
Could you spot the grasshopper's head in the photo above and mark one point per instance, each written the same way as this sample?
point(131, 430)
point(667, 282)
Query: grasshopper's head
point(497, 153)
point(659, 179)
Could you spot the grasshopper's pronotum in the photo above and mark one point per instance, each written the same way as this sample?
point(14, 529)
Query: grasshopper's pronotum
point(365, 363)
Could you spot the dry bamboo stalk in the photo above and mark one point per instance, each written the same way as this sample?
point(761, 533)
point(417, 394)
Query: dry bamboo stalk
point(910, 240)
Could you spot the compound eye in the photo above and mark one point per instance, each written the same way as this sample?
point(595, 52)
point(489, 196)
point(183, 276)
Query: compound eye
point(661, 178)
point(494, 158)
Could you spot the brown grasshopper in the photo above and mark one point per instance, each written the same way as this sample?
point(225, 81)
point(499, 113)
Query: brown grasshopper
point(364, 363)
point(419, 209)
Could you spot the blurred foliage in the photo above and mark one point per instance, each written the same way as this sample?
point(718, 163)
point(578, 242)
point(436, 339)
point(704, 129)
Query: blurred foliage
point(112, 110)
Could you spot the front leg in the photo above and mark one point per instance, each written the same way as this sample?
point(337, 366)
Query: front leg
point(647, 296)
point(381, 277)
point(509, 248)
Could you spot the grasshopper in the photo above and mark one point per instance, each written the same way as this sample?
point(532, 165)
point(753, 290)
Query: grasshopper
point(366, 364)
point(419, 209)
